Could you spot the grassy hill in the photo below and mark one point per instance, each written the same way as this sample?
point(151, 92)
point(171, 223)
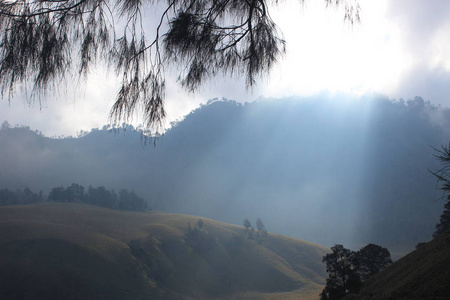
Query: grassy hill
point(75, 251)
point(422, 274)
point(287, 161)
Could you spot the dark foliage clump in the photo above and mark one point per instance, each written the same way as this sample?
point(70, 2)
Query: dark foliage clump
point(8, 197)
point(75, 193)
point(99, 196)
point(444, 223)
point(259, 234)
point(199, 238)
point(347, 269)
point(443, 177)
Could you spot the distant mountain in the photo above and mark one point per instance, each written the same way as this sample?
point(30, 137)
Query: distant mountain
point(422, 274)
point(78, 251)
point(325, 170)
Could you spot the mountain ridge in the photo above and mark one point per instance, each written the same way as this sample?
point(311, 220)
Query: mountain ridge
point(362, 166)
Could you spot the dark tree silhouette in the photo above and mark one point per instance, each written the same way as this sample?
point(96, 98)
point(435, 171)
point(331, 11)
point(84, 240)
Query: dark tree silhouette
point(75, 193)
point(8, 197)
point(347, 269)
point(342, 273)
point(260, 226)
point(130, 201)
point(100, 196)
point(247, 224)
point(26, 196)
point(371, 259)
point(443, 178)
point(443, 174)
point(200, 223)
point(444, 223)
point(44, 42)
point(57, 194)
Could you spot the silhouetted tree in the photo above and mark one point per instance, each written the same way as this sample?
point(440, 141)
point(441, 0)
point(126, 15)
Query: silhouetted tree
point(444, 223)
point(130, 201)
point(443, 177)
point(100, 196)
point(75, 193)
point(347, 269)
point(46, 41)
point(8, 197)
point(28, 197)
point(200, 223)
point(247, 224)
point(371, 259)
point(260, 226)
point(342, 273)
point(57, 194)
point(5, 125)
point(262, 232)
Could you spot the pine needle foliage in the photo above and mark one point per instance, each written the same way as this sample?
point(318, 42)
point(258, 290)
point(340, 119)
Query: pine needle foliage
point(45, 42)
point(443, 178)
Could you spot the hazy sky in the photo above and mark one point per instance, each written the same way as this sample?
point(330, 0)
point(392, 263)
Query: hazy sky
point(400, 49)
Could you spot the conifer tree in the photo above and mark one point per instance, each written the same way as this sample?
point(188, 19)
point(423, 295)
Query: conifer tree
point(443, 177)
point(44, 42)
point(444, 223)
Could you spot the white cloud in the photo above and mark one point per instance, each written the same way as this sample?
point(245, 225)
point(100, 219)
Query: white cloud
point(424, 27)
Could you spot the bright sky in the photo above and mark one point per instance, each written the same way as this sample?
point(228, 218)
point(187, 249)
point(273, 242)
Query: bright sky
point(400, 49)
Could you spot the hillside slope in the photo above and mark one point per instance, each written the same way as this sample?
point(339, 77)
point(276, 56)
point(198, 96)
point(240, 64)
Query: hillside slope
point(422, 274)
point(362, 166)
point(75, 251)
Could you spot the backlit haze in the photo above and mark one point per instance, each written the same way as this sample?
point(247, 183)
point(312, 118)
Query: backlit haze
point(318, 148)
point(401, 49)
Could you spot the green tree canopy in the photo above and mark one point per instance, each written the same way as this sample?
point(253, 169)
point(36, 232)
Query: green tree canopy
point(43, 42)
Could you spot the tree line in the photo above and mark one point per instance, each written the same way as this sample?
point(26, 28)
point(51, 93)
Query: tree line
point(18, 197)
point(99, 196)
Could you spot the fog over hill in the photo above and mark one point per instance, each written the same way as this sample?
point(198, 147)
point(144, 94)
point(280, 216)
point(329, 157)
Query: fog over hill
point(326, 170)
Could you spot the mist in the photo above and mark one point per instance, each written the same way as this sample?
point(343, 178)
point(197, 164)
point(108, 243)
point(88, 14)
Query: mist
point(326, 169)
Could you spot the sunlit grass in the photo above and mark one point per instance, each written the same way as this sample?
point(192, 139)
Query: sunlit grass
point(155, 247)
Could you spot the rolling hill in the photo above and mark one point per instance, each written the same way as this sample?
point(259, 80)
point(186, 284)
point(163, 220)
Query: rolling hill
point(76, 251)
point(360, 164)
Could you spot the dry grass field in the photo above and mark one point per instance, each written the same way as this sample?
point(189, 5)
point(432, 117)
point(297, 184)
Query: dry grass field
point(75, 251)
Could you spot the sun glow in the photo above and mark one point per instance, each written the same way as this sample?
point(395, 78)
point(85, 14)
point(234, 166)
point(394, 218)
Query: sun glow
point(324, 53)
